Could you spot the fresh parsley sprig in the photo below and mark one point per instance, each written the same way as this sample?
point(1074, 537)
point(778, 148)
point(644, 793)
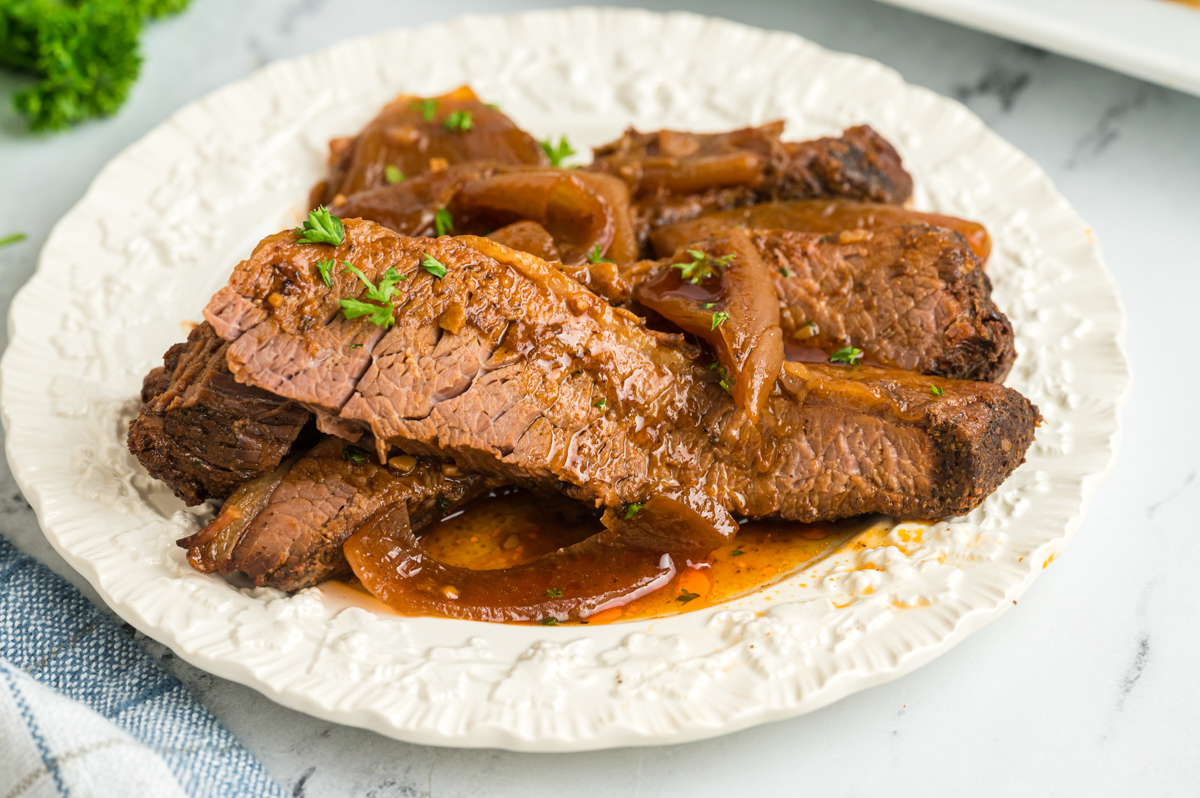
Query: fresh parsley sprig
point(458, 120)
point(427, 108)
point(936, 391)
point(719, 318)
point(557, 153)
point(443, 221)
point(596, 257)
point(433, 265)
point(381, 314)
point(324, 267)
point(702, 265)
point(849, 355)
point(322, 227)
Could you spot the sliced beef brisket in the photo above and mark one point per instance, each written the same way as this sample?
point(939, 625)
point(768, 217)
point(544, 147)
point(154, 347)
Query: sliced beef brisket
point(286, 529)
point(514, 370)
point(202, 432)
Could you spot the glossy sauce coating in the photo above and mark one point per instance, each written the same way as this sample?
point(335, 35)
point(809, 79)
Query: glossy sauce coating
point(514, 528)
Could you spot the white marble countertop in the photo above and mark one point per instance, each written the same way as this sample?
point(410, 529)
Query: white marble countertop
point(1087, 688)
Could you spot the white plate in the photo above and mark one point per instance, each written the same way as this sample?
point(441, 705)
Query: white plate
point(1156, 40)
point(166, 221)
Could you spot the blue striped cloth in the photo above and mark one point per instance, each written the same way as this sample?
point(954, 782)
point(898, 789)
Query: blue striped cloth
point(85, 712)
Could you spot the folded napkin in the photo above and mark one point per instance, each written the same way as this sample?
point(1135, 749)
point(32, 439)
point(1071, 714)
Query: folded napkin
point(85, 712)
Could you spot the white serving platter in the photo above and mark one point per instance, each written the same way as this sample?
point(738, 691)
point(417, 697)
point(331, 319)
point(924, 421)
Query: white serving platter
point(165, 222)
point(1155, 40)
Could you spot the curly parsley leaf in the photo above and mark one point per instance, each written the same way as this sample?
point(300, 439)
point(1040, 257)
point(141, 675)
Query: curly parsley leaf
point(427, 108)
point(850, 356)
point(557, 153)
point(322, 227)
point(392, 174)
point(378, 314)
point(433, 266)
point(443, 221)
point(458, 120)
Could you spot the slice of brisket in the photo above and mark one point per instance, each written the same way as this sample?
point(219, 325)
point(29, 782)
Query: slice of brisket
point(675, 176)
point(514, 370)
point(912, 297)
point(286, 529)
point(202, 432)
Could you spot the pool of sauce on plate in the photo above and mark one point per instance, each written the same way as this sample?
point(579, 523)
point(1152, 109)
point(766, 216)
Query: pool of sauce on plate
point(512, 527)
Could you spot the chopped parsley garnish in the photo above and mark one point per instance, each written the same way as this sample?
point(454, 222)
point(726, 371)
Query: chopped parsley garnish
point(549, 622)
point(936, 391)
point(324, 267)
point(783, 270)
point(322, 227)
point(493, 106)
point(433, 265)
point(850, 355)
point(600, 403)
point(557, 154)
point(702, 265)
point(737, 552)
point(595, 257)
point(441, 504)
point(554, 592)
point(633, 509)
point(354, 346)
point(380, 315)
point(16, 238)
point(686, 595)
point(719, 318)
point(458, 120)
point(427, 108)
point(443, 221)
point(354, 454)
point(727, 382)
point(392, 174)
point(812, 324)
point(709, 305)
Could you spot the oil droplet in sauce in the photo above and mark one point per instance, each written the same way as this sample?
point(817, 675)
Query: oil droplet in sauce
point(512, 527)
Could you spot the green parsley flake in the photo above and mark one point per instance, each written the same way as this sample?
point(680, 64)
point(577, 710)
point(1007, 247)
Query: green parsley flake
point(850, 356)
point(12, 238)
point(727, 382)
point(595, 257)
point(600, 403)
point(936, 391)
point(380, 314)
point(686, 595)
point(354, 454)
point(443, 221)
point(549, 622)
point(557, 154)
point(554, 592)
point(433, 265)
point(783, 270)
point(633, 509)
point(323, 268)
point(702, 266)
point(737, 552)
point(322, 227)
point(427, 108)
point(392, 174)
point(458, 120)
point(719, 318)
point(442, 505)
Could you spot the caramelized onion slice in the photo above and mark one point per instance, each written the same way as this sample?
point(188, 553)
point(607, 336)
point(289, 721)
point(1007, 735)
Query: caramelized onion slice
point(731, 304)
point(569, 584)
point(814, 216)
point(577, 218)
point(690, 525)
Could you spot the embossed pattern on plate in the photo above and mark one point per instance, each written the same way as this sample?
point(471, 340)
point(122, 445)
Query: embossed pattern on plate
point(166, 221)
